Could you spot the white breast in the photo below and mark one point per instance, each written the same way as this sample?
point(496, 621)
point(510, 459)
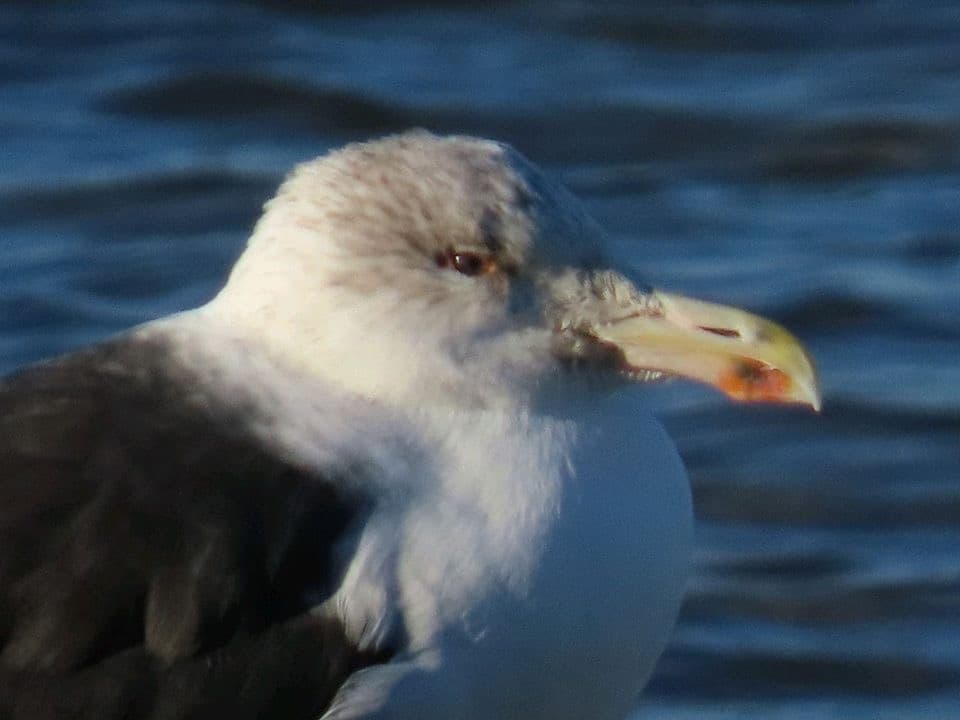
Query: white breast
point(538, 575)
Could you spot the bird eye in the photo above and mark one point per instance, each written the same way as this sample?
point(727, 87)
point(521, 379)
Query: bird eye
point(466, 263)
point(469, 263)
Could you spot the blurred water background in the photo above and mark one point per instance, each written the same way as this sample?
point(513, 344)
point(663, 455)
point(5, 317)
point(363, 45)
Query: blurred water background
point(796, 158)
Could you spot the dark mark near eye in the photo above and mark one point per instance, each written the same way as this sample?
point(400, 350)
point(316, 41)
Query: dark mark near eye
point(490, 235)
point(523, 199)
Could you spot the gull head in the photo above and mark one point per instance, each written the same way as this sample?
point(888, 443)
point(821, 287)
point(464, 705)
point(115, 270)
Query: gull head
point(451, 269)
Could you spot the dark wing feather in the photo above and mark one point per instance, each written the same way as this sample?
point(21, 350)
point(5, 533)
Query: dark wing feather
point(155, 559)
point(290, 670)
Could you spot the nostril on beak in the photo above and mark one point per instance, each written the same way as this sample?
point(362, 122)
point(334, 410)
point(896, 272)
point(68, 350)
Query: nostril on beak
point(723, 332)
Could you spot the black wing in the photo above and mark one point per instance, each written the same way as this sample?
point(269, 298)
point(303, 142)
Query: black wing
point(155, 559)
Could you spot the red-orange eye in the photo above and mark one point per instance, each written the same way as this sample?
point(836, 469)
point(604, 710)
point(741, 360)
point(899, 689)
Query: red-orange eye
point(469, 263)
point(466, 263)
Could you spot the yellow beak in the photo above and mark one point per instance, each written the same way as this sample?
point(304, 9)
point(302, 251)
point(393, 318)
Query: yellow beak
point(747, 357)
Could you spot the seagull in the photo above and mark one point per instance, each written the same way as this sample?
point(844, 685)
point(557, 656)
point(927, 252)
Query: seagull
point(386, 472)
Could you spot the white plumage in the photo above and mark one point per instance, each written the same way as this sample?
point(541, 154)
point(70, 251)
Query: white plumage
point(531, 565)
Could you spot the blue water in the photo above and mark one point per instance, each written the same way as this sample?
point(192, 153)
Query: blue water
point(801, 159)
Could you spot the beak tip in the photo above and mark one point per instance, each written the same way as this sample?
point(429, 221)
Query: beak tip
point(809, 382)
point(815, 404)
